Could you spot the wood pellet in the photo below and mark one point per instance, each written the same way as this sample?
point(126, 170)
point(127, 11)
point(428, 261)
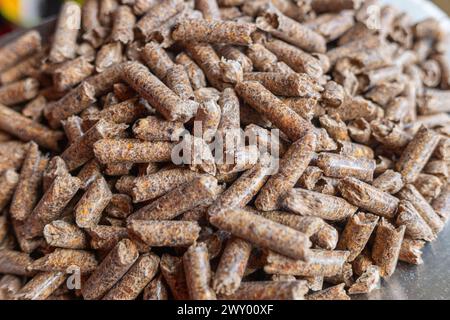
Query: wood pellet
point(221, 149)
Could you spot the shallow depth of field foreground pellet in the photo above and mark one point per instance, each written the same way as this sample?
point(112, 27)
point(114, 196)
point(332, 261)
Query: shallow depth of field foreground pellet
point(221, 149)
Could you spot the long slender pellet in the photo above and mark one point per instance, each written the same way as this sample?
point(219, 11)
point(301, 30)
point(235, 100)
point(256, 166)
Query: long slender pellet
point(18, 92)
point(292, 166)
point(127, 111)
point(260, 231)
point(42, 285)
point(269, 290)
point(62, 259)
point(368, 197)
point(320, 263)
point(15, 262)
point(306, 225)
point(198, 272)
point(50, 207)
point(154, 128)
point(356, 234)
point(333, 293)
point(156, 289)
point(62, 234)
point(310, 203)
point(410, 193)
point(386, 247)
point(340, 166)
point(416, 154)
point(291, 31)
point(165, 233)
point(158, 95)
point(65, 39)
point(23, 46)
point(194, 72)
point(136, 279)
point(89, 209)
point(416, 227)
point(157, 59)
point(113, 267)
point(173, 272)
point(104, 82)
point(264, 102)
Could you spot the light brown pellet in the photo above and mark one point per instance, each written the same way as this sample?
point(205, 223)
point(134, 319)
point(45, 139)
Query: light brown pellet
point(136, 279)
point(368, 197)
point(124, 21)
point(9, 286)
point(71, 73)
point(307, 225)
point(355, 150)
point(326, 237)
point(113, 267)
point(62, 234)
point(165, 233)
point(269, 290)
point(157, 59)
point(62, 259)
point(310, 203)
point(339, 166)
point(441, 204)
point(386, 247)
point(416, 227)
point(411, 251)
point(177, 79)
point(26, 68)
point(18, 92)
point(18, 49)
point(120, 206)
point(428, 185)
point(173, 272)
point(367, 282)
point(195, 74)
point(9, 179)
point(156, 289)
point(209, 9)
point(42, 285)
point(333, 293)
point(260, 231)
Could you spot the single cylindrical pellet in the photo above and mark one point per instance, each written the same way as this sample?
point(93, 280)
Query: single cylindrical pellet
point(165, 233)
point(127, 112)
point(156, 289)
point(416, 154)
point(15, 262)
point(42, 285)
point(430, 186)
point(157, 59)
point(292, 166)
point(132, 150)
point(264, 102)
point(71, 73)
point(320, 263)
point(194, 72)
point(390, 134)
point(339, 166)
point(198, 272)
point(209, 9)
point(229, 125)
point(62, 234)
point(411, 194)
point(35, 108)
point(321, 6)
point(260, 231)
point(386, 247)
point(416, 227)
point(120, 206)
point(136, 279)
point(356, 234)
point(411, 251)
point(208, 117)
point(89, 209)
point(269, 290)
point(332, 293)
point(50, 206)
point(23, 46)
point(124, 21)
point(231, 268)
point(355, 150)
point(368, 197)
point(306, 225)
point(183, 198)
point(26, 68)
point(18, 92)
point(159, 96)
point(113, 267)
point(173, 272)
point(65, 39)
point(9, 179)
point(265, 61)
point(106, 237)
point(177, 79)
point(335, 127)
point(232, 53)
point(62, 259)
point(326, 237)
point(154, 128)
point(310, 203)
point(73, 128)
point(56, 167)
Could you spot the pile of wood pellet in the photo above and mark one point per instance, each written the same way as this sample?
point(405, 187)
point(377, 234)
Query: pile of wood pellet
point(94, 206)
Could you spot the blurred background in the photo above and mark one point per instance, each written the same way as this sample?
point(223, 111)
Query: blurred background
point(28, 13)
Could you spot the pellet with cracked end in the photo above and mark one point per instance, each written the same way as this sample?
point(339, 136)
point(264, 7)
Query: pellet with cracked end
point(269, 290)
point(89, 209)
point(152, 186)
point(165, 233)
point(225, 32)
point(326, 237)
point(159, 96)
point(18, 92)
point(26, 129)
point(111, 270)
point(65, 39)
point(310, 203)
point(179, 200)
point(173, 272)
point(241, 159)
point(106, 237)
point(416, 227)
point(231, 268)
point(71, 73)
point(208, 115)
point(291, 167)
point(264, 102)
point(52, 203)
point(288, 85)
point(320, 263)
point(157, 15)
point(360, 131)
point(390, 134)
point(295, 58)
point(428, 185)
point(73, 128)
point(108, 55)
point(124, 21)
point(9, 180)
point(386, 246)
point(42, 285)
point(368, 197)
point(156, 289)
point(62, 234)
point(426, 211)
point(340, 166)
point(367, 282)
point(307, 225)
point(441, 204)
point(55, 167)
point(335, 127)
point(230, 52)
point(259, 230)
point(18, 49)
point(9, 286)
point(411, 251)
point(333, 293)
point(416, 155)
point(62, 259)
point(194, 72)
point(136, 279)
point(74, 102)
point(244, 188)
point(356, 234)
point(15, 262)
